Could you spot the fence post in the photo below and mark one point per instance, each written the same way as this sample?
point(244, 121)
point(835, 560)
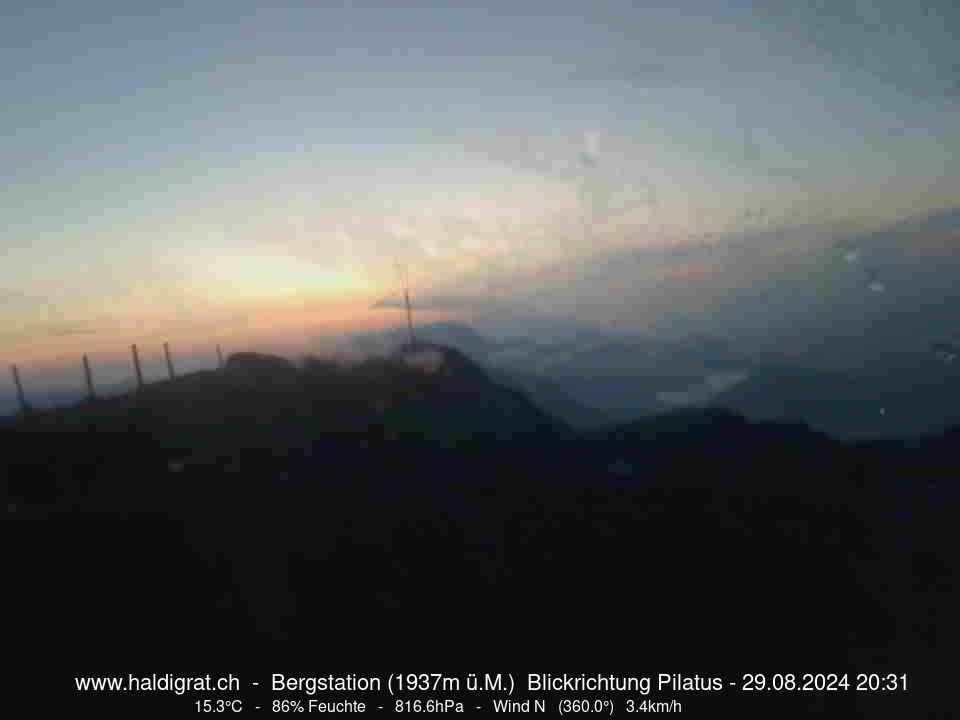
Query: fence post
point(20, 394)
point(91, 393)
point(166, 354)
point(136, 366)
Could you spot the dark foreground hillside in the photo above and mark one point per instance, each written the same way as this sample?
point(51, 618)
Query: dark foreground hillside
point(413, 509)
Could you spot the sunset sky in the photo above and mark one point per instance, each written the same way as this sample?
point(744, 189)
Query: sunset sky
point(229, 171)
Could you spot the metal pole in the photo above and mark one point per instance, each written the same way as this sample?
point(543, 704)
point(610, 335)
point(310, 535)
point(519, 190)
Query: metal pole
point(166, 354)
point(220, 362)
point(406, 297)
point(20, 394)
point(136, 367)
point(89, 375)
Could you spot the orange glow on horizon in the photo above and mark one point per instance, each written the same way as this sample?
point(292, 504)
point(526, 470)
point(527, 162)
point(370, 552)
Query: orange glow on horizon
point(294, 325)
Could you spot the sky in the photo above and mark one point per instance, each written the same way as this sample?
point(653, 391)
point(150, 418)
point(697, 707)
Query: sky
point(249, 173)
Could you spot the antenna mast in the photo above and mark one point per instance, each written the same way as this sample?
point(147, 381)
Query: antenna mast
point(166, 354)
point(88, 374)
point(24, 407)
point(406, 298)
point(136, 366)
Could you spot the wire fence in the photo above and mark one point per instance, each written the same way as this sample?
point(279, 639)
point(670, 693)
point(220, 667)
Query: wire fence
point(115, 381)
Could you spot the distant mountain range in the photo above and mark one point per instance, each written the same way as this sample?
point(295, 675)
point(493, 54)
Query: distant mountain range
point(604, 378)
point(595, 378)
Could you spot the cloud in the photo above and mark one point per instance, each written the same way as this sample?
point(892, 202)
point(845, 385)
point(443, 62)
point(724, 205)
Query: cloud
point(911, 50)
point(66, 330)
point(643, 74)
point(32, 332)
point(13, 297)
point(523, 151)
point(934, 244)
point(432, 301)
point(636, 73)
point(686, 271)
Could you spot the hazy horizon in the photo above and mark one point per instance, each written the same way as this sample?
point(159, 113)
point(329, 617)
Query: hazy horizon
point(247, 174)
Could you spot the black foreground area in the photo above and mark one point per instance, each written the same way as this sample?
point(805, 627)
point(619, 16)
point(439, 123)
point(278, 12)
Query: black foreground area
point(385, 515)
